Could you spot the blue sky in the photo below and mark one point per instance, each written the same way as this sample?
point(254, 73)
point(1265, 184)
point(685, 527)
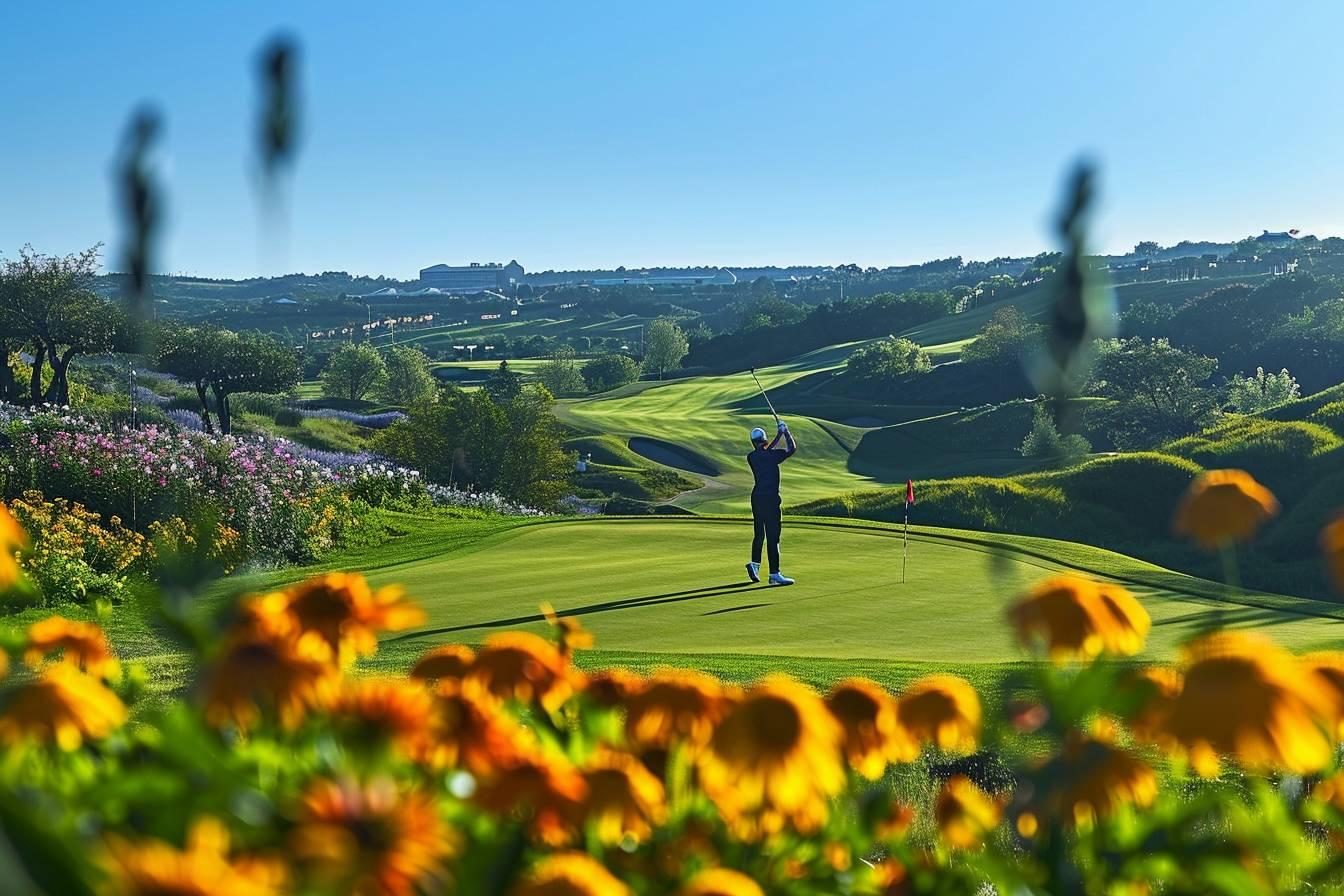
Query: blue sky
point(572, 135)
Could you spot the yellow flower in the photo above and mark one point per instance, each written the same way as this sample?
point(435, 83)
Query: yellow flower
point(572, 635)
point(964, 814)
point(943, 710)
point(391, 709)
point(873, 736)
point(1090, 779)
point(348, 614)
point(1078, 618)
point(62, 705)
point(468, 730)
point(1248, 699)
point(1332, 544)
point(1155, 689)
point(776, 754)
point(613, 687)
point(674, 705)
point(721, 882)
point(521, 666)
point(544, 784)
point(266, 661)
point(203, 868)
point(12, 540)
point(81, 643)
point(1224, 506)
point(570, 874)
point(372, 838)
point(448, 661)
point(624, 799)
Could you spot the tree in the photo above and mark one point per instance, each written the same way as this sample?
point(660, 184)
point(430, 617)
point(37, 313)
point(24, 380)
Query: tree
point(1157, 391)
point(1251, 394)
point(1147, 247)
point(353, 372)
point(1148, 319)
point(1044, 439)
point(607, 372)
point(49, 301)
point(664, 346)
point(513, 447)
point(561, 373)
point(504, 384)
point(225, 363)
point(888, 359)
point(408, 379)
point(1005, 339)
point(763, 287)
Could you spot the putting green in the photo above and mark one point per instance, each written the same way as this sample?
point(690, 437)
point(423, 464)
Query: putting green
point(678, 587)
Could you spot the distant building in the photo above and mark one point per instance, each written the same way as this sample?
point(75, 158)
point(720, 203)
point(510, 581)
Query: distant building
point(472, 278)
point(1282, 238)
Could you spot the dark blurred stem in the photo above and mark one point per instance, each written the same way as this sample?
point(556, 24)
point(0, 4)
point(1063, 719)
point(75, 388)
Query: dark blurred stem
point(508, 864)
point(1231, 572)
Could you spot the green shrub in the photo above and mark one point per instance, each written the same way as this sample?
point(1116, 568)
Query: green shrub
point(288, 417)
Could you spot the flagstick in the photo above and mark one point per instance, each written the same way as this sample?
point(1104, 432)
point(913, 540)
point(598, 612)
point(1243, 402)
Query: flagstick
point(905, 543)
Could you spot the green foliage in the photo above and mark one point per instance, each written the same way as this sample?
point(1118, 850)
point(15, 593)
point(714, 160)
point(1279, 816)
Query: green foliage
point(1045, 441)
point(664, 346)
point(1157, 391)
point(504, 384)
point(1147, 319)
point(407, 380)
point(1006, 339)
point(1275, 452)
point(353, 372)
point(889, 360)
point(225, 363)
point(1250, 395)
point(561, 376)
point(607, 372)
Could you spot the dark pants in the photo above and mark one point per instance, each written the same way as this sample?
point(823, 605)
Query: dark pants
point(767, 516)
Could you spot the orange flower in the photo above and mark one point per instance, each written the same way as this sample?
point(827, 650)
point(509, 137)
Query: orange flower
point(572, 635)
point(570, 874)
point(12, 540)
point(964, 813)
point(448, 661)
point(873, 737)
point(1223, 506)
point(378, 709)
point(1156, 689)
point(612, 687)
point(521, 666)
point(348, 614)
point(266, 661)
point(81, 643)
point(624, 799)
point(1332, 544)
point(62, 705)
point(372, 838)
point(940, 709)
point(544, 783)
point(1090, 779)
point(468, 730)
point(673, 705)
point(776, 755)
point(1078, 618)
point(203, 868)
point(895, 822)
point(721, 882)
point(1250, 700)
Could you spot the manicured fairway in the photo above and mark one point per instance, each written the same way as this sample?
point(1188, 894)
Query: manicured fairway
point(677, 587)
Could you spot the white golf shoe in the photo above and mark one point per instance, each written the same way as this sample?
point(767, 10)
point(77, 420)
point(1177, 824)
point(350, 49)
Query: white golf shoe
point(754, 571)
point(778, 578)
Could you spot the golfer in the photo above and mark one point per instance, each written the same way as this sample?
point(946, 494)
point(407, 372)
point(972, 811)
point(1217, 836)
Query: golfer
point(767, 513)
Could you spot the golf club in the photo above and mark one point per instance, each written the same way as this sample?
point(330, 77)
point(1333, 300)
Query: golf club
point(763, 395)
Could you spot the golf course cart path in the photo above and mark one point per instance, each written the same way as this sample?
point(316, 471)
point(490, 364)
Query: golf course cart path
point(677, 586)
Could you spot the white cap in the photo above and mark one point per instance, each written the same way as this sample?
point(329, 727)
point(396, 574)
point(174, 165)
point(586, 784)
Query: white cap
point(757, 435)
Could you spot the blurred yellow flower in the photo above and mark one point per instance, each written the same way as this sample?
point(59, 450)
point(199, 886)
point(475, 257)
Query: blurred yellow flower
point(1332, 544)
point(964, 813)
point(80, 643)
point(721, 882)
point(674, 705)
point(777, 751)
point(348, 614)
point(1222, 507)
point(613, 687)
point(572, 635)
point(1090, 779)
point(524, 667)
point(372, 838)
point(873, 736)
point(1154, 690)
point(943, 710)
point(468, 730)
point(1075, 617)
point(203, 868)
point(12, 540)
point(1248, 699)
point(61, 705)
point(545, 787)
point(624, 799)
point(394, 710)
point(570, 874)
point(448, 661)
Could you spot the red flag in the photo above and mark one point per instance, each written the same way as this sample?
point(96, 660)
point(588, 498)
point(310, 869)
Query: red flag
point(909, 492)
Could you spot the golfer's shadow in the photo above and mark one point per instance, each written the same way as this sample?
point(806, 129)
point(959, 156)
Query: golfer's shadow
point(627, 603)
